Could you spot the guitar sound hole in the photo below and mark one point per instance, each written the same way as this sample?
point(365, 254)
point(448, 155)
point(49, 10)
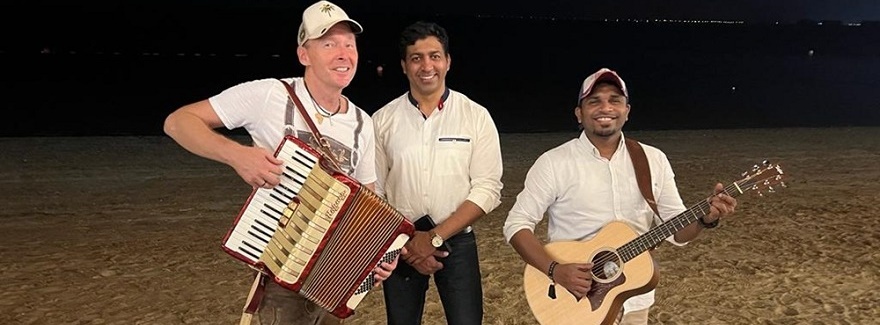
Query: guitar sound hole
point(606, 266)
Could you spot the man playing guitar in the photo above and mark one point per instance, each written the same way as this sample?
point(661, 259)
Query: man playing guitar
point(584, 184)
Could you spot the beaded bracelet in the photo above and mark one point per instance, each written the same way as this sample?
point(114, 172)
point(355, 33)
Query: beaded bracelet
point(551, 291)
point(553, 265)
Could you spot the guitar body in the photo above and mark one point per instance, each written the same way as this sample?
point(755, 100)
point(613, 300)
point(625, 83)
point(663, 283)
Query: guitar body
point(614, 280)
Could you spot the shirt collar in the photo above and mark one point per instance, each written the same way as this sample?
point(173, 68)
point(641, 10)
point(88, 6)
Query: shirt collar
point(595, 152)
point(440, 105)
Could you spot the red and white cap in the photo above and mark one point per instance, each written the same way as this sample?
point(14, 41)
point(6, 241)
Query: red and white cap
point(603, 74)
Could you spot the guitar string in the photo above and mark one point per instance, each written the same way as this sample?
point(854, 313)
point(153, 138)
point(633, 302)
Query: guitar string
point(625, 250)
point(736, 188)
point(703, 205)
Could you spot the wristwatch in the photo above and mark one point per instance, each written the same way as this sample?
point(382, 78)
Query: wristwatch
point(436, 240)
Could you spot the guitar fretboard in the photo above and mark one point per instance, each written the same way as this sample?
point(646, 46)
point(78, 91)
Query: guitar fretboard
point(655, 236)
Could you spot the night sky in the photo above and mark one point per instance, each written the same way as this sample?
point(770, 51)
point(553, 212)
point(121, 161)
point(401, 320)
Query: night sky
point(110, 67)
point(747, 10)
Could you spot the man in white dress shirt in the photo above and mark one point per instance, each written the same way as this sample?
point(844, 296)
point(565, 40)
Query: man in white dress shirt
point(589, 181)
point(438, 156)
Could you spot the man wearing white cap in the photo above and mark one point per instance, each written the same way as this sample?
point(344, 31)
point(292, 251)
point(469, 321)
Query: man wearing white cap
point(328, 50)
point(587, 182)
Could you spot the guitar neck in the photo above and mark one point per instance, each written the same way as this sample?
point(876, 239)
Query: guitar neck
point(658, 234)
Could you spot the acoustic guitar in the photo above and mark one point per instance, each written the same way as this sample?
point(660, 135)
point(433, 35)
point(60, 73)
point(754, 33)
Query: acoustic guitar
point(621, 269)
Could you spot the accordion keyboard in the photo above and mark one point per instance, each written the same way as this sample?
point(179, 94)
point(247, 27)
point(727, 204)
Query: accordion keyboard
point(304, 224)
point(259, 220)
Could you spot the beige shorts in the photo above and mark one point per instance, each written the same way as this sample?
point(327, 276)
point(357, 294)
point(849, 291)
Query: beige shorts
point(636, 317)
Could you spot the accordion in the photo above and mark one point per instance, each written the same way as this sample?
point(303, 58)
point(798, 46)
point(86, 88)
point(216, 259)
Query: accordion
point(319, 232)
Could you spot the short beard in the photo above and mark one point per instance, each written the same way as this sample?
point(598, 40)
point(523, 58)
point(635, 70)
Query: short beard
point(605, 133)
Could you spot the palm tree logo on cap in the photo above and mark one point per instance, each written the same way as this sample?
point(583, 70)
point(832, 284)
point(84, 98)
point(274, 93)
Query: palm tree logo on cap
point(327, 8)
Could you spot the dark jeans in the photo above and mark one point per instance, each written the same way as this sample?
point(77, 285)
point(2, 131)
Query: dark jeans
point(458, 284)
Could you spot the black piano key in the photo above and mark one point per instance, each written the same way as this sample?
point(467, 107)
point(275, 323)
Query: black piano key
point(276, 215)
point(255, 254)
point(257, 236)
point(281, 200)
point(266, 229)
point(301, 162)
point(312, 159)
point(297, 173)
point(279, 191)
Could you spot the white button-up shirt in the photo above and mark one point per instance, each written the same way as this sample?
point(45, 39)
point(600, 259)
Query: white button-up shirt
point(581, 191)
point(429, 166)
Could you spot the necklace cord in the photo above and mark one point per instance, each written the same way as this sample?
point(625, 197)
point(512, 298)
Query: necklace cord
point(324, 112)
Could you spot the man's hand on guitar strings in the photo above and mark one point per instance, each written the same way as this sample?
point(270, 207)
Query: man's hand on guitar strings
point(721, 205)
point(577, 278)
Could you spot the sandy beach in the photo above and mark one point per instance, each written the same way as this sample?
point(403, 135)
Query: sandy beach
point(127, 230)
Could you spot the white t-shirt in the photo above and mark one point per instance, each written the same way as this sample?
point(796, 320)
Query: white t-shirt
point(259, 107)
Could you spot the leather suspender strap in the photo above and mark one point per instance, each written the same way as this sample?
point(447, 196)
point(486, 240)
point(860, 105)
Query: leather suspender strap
point(252, 304)
point(643, 171)
point(325, 147)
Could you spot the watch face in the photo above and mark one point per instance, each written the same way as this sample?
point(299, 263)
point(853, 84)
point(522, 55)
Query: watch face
point(437, 241)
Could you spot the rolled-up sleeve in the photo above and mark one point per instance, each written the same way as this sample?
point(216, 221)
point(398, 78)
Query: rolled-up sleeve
point(669, 202)
point(537, 195)
point(486, 167)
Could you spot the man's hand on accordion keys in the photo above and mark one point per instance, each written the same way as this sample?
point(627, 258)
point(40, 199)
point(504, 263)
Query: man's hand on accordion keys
point(256, 166)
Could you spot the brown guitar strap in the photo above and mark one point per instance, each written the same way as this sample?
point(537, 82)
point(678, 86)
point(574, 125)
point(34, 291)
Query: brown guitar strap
point(643, 172)
point(325, 147)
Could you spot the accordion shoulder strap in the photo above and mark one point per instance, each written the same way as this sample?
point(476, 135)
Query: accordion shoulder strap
point(255, 297)
point(324, 145)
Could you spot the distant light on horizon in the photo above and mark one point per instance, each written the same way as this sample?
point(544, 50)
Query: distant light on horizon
point(630, 20)
point(677, 21)
point(49, 51)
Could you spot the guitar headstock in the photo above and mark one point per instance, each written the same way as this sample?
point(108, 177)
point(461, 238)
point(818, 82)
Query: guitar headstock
point(762, 178)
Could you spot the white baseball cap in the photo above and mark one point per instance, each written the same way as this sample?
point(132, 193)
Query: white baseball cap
point(319, 17)
point(603, 74)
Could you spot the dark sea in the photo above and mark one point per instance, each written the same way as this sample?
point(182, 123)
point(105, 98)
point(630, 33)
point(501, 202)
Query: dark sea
point(120, 72)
